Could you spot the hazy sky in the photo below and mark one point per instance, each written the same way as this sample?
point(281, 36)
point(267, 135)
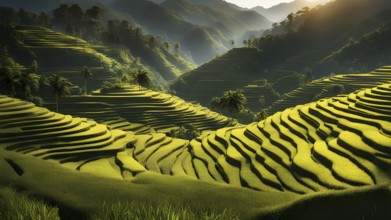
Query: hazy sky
point(253, 3)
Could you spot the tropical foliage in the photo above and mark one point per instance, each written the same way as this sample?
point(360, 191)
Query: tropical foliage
point(61, 87)
point(142, 78)
point(86, 74)
point(233, 100)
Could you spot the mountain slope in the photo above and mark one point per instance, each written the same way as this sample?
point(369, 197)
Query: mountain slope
point(230, 21)
point(286, 60)
point(158, 20)
point(367, 52)
point(279, 12)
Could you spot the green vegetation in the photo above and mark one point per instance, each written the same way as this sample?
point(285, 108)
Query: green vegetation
point(86, 74)
point(162, 112)
point(165, 210)
point(202, 30)
point(142, 78)
point(14, 205)
point(369, 52)
point(335, 148)
point(233, 101)
point(61, 87)
point(323, 150)
point(127, 47)
point(329, 87)
point(187, 132)
point(307, 45)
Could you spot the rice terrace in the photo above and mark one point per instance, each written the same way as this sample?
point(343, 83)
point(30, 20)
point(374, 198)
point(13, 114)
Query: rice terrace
point(195, 109)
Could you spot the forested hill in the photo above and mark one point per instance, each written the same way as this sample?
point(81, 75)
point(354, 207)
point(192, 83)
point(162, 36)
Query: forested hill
point(179, 20)
point(174, 21)
point(293, 48)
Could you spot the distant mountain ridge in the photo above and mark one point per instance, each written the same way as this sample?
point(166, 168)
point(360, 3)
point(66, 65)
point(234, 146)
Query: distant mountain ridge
point(279, 12)
point(176, 20)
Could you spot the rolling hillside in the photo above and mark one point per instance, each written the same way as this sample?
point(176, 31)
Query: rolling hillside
point(332, 144)
point(160, 111)
point(332, 150)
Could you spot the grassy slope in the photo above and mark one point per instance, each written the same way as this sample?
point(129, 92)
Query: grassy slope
point(15, 205)
point(86, 193)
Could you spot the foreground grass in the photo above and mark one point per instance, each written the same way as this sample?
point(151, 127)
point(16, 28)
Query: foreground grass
point(167, 211)
point(15, 205)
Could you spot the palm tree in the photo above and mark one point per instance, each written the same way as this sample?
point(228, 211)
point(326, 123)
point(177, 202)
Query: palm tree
point(61, 87)
point(233, 100)
point(232, 42)
point(216, 103)
point(166, 45)
point(142, 78)
point(177, 47)
point(86, 74)
point(9, 81)
point(28, 83)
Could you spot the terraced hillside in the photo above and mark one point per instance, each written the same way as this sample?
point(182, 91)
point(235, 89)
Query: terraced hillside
point(36, 131)
point(333, 144)
point(160, 111)
point(60, 53)
point(318, 88)
point(57, 52)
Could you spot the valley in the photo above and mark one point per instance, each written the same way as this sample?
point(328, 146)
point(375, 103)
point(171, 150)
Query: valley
point(183, 109)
